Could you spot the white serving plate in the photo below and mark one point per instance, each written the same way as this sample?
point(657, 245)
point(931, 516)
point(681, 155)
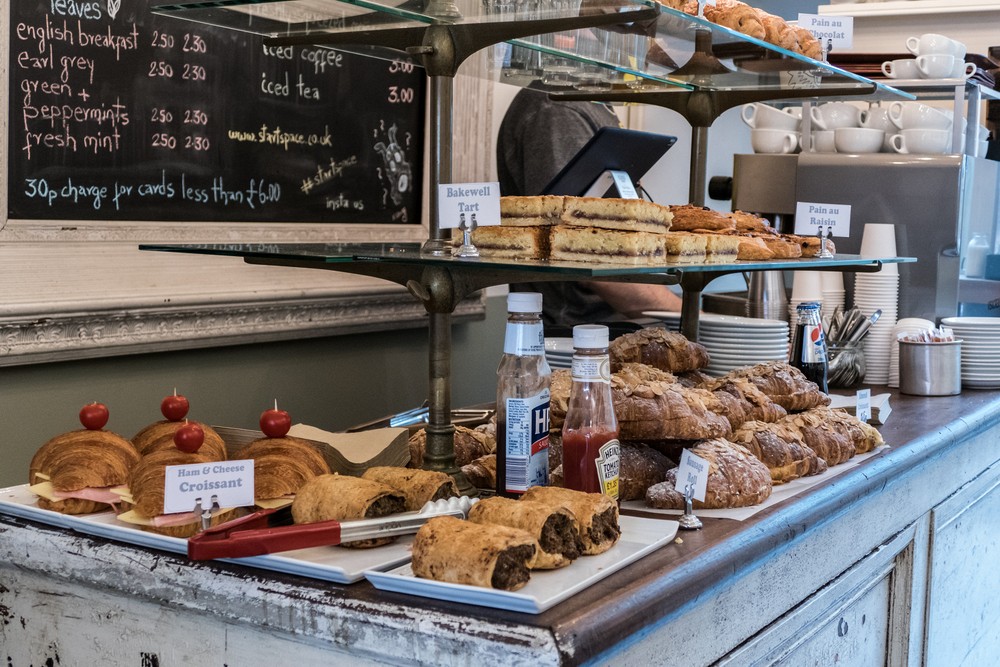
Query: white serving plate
point(972, 322)
point(546, 588)
point(970, 383)
point(336, 564)
point(714, 320)
point(734, 348)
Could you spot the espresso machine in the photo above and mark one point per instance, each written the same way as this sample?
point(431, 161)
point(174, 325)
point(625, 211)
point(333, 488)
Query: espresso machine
point(945, 208)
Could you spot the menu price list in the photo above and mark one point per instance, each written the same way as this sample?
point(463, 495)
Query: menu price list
point(117, 113)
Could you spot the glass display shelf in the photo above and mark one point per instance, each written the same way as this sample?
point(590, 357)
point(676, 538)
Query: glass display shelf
point(557, 42)
point(442, 281)
point(410, 254)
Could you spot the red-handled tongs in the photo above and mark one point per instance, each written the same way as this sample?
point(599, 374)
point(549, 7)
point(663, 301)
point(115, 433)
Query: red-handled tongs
point(271, 530)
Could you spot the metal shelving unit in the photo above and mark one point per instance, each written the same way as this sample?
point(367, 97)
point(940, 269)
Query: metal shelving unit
point(616, 50)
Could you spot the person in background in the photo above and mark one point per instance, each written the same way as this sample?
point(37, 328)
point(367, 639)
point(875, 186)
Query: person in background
point(537, 137)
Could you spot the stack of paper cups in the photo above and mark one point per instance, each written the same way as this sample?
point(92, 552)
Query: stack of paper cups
point(806, 286)
point(832, 286)
point(878, 291)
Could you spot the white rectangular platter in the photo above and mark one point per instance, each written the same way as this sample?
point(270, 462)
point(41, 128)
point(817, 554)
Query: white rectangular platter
point(547, 587)
point(336, 564)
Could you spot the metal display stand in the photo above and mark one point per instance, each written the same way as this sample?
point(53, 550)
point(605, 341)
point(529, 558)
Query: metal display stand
point(441, 37)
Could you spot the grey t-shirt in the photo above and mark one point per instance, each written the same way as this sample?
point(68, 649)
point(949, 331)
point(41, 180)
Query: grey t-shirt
point(537, 137)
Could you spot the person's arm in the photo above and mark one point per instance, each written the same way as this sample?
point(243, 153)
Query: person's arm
point(631, 299)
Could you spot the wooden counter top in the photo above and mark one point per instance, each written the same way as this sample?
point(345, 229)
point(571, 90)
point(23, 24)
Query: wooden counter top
point(724, 560)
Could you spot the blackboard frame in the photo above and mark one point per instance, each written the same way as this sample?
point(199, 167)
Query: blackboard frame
point(45, 317)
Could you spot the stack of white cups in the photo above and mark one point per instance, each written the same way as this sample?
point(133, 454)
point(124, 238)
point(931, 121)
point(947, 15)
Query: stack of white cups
point(832, 286)
point(806, 286)
point(874, 291)
point(905, 326)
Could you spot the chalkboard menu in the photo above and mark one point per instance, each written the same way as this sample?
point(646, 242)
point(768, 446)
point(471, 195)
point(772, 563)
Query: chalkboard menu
point(119, 114)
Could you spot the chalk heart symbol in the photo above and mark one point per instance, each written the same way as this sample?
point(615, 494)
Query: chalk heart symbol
point(113, 7)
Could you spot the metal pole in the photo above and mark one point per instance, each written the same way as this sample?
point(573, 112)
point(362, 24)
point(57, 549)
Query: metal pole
point(441, 95)
point(699, 165)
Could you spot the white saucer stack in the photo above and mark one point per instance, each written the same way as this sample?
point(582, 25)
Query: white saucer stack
point(907, 325)
point(980, 338)
point(733, 342)
point(873, 291)
point(559, 352)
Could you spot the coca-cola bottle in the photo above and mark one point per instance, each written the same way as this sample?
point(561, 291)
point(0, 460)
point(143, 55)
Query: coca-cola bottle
point(591, 452)
point(809, 344)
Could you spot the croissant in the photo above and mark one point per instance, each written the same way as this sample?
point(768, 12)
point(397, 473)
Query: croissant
point(469, 446)
point(808, 44)
point(79, 460)
point(737, 16)
point(735, 479)
point(482, 473)
point(784, 384)
point(283, 465)
point(825, 437)
point(146, 485)
point(160, 435)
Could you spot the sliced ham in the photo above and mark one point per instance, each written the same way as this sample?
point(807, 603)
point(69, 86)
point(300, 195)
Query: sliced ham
point(96, 494)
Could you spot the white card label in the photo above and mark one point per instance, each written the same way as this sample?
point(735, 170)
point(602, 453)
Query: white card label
point(229, 482)
point(811, 218)
point(473, 201)
point(863, 408)
point(832, 31)
point(692, 471)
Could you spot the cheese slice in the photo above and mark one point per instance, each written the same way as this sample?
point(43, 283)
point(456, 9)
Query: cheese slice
point(94, 494)
point(45, 490)
point(132, 517)
point(42, 475)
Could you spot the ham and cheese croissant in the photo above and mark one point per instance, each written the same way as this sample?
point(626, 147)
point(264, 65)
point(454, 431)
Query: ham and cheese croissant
point(146, 490)
point(76, 470)
point(160, 435)
point(282, 466)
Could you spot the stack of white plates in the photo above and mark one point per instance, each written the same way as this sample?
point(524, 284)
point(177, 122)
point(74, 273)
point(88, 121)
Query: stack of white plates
point(559, 352)
point(873, 291)
point(733, 341)
point(980, 350)
point(905, 326)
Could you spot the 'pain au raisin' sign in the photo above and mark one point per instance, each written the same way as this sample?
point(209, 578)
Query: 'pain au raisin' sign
point(116, 113)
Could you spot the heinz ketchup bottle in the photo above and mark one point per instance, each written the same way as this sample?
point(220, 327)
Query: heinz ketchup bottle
point(591, 452)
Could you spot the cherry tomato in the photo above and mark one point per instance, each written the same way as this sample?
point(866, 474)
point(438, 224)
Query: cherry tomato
point(189, 438)
point(94, 416)
point(275, 423)
point(174, 408)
